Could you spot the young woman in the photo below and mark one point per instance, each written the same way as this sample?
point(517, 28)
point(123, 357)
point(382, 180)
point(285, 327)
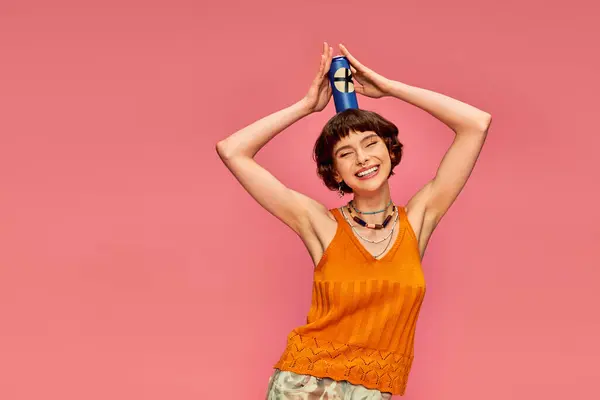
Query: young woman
point(368, 284)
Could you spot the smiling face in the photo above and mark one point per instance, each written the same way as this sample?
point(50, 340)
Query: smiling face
point(352, 140)
point(362, 161)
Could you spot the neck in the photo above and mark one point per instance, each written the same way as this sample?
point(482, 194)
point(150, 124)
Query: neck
point(373, 201)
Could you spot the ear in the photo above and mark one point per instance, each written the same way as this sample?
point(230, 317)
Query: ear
point(337, 177)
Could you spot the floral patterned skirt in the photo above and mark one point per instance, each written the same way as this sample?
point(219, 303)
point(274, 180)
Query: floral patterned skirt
point(286, 385)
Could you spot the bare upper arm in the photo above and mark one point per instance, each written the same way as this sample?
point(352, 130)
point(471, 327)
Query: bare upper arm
point(427, 207)
point(291, 207)
point(454, 171)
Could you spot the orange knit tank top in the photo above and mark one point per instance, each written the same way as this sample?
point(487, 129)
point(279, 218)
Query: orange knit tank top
point(361, 324)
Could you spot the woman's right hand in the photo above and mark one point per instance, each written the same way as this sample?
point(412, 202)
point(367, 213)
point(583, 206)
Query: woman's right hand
point(319, 93)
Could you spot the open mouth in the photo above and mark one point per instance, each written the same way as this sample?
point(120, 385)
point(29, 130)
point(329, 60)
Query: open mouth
point(369, 173)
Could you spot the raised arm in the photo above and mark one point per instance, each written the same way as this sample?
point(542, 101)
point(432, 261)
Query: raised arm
point(469, 124)
point(238, 150)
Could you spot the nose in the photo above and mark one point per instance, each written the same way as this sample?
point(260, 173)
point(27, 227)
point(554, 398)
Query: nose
point(361, 157)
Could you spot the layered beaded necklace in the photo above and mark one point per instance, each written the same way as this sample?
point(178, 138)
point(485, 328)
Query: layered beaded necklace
point(361, 222)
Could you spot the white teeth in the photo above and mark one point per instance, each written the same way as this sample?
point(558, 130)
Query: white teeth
point(367, 171)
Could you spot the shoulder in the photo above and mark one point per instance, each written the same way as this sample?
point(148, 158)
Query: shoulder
point(318, 227)
point(315, 213)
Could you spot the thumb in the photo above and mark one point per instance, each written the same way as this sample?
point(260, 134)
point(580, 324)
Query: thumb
point(360, 89)
point(357, 79)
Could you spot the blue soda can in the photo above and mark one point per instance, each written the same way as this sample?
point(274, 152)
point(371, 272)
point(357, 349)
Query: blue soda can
point(342, 85)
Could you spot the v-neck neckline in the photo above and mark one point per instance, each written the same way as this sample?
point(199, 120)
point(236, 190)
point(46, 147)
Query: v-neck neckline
point(400, 226)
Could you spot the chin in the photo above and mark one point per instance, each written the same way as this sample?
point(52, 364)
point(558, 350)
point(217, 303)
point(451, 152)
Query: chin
point(371, 186)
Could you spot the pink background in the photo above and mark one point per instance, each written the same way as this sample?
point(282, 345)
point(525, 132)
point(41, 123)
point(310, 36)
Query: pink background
point(133, 265)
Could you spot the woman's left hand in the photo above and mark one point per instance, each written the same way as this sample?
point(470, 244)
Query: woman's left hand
point(370, 83)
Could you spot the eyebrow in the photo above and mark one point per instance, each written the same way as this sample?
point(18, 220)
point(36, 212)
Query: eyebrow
point(362, 140)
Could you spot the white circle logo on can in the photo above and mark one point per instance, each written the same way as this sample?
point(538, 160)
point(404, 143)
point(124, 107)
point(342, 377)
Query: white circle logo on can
point(342, 80)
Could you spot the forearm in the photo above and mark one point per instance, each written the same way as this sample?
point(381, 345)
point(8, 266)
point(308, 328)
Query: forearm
point(458, 116)
point(250, 139)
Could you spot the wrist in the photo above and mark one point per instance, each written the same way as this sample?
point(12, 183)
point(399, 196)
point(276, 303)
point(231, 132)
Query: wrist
point(303, 108)
point(395, 89)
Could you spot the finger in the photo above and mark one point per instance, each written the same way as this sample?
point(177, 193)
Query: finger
point(329, 59)
point(324, 83)
point(359, 89)
point(321, 67)
point(324, 56)
point(325, 59)
point(350, 57)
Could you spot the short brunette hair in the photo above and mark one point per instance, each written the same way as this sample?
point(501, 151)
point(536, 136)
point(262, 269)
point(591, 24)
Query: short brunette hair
point(339, 127)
